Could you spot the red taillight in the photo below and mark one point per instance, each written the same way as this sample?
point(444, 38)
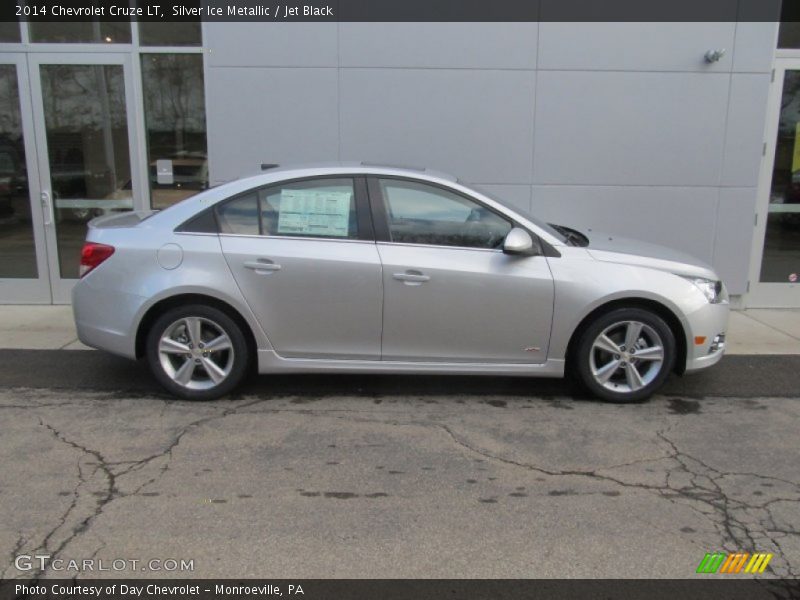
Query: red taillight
point(92, 255)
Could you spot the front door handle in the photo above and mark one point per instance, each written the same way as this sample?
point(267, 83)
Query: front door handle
point(262, 266)
point(411, 277)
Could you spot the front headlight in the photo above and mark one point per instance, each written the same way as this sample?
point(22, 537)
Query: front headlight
point(714, 291)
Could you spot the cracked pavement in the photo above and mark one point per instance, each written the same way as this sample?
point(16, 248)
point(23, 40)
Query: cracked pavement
point(375, 478)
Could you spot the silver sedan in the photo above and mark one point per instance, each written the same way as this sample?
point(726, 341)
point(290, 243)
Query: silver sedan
point(373, 269)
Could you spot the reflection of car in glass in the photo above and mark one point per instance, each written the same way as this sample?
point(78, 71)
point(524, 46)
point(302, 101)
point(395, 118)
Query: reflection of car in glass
point(368, 269)
point(190, 175)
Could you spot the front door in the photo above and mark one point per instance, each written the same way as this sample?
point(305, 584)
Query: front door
point(775, 280)
point(450, 293)
point(85, 145)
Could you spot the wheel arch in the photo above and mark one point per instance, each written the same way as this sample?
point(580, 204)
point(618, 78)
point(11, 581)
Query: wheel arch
point(165, 304)
point(662, 310)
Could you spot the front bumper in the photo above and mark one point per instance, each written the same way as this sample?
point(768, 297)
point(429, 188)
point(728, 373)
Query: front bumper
point(706, 325)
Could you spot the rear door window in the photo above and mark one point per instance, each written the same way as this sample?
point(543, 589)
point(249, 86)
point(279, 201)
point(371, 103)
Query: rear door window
point(324, 208)
point(311, 208)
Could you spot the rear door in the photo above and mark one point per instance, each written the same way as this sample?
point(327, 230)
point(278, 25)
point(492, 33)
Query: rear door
point(450, 293)
point(304, 256)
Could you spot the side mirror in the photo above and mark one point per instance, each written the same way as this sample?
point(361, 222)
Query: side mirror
point(519, 242)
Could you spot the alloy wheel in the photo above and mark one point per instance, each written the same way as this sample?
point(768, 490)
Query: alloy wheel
point(626, 356)
point(196, 353)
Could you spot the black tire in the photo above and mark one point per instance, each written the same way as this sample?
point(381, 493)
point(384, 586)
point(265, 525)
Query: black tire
point(237, 362)
point(614, 321)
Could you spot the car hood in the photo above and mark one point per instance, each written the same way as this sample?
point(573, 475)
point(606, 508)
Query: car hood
point(611, 248)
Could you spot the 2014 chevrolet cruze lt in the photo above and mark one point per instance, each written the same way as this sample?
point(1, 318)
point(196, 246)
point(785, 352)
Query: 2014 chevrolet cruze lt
point(373, 269)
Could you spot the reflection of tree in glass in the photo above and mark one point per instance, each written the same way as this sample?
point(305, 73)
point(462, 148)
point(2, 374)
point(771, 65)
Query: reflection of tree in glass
point(86, 121)
point(174, 103)
point(10, 123)
point(81, 97)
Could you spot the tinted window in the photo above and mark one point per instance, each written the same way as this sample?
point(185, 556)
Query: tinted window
point(202, 223)
point(175, 118)
point(239, 215)
point(789, 32)
point(170, 34)
point(314, 208)
point(424, 214)
point(9, 31)
point(80, 32)
point(320, 208)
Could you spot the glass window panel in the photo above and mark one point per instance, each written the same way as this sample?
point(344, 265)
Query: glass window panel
point(789, 32)
point(239, 215)
point(9, 31)
point(423, 214)
point(323, 208)
point(175, 118)
point(82, 32)
point(789, 36)
point(87, 148)
point(17, 249)
point(170, 34)
point(781, 258)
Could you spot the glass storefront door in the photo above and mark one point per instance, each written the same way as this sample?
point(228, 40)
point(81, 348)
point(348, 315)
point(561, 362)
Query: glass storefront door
point(23, 251)
point(95, 118)
point(85, 146)
point(777, 269)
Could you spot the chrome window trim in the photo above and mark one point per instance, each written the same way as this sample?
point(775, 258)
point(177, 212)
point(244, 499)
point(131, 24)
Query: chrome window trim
point(439, 246)
point(285, 237)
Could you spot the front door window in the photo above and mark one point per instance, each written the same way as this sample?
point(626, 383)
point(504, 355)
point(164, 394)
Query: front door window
point(424, 214)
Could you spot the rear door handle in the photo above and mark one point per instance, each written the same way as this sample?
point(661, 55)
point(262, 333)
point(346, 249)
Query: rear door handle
point(411, 277)
point(262, 266)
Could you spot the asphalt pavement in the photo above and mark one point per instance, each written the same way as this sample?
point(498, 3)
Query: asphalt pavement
point(394, 476)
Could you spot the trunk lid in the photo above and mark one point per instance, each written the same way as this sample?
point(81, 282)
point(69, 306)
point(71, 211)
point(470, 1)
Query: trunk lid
point(121, 220)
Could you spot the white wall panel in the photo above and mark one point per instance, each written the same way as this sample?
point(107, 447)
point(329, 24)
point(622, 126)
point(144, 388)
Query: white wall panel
point(269, 116)
point(618, 128)
point(635, 46)
point(679, 218)
point(439, 45)
point(477, 124)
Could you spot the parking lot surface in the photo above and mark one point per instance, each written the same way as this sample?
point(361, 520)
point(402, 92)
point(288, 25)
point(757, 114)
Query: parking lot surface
point(379, 476)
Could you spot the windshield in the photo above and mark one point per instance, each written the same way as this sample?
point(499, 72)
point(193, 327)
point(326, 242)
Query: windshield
point(523, 213)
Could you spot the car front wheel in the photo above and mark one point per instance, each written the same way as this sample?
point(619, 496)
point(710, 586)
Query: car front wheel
point(625, 355)
point(197, 352)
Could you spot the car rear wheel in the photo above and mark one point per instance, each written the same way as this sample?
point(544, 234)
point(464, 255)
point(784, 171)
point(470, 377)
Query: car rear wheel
point(197, 352)
point(625, 355)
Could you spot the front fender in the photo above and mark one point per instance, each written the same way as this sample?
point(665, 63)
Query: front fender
point(583, 284)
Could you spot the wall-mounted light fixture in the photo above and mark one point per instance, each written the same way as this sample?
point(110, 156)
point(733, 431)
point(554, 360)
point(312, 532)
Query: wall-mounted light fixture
point(713, 56)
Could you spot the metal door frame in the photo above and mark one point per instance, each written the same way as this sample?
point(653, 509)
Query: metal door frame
point(36, 290)
point(62, 287)
point(770, 294)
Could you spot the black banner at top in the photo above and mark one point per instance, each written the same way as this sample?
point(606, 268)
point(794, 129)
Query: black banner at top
point(392, 10)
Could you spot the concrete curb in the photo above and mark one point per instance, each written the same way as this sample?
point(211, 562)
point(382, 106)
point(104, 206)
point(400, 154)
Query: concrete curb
point(751, 332)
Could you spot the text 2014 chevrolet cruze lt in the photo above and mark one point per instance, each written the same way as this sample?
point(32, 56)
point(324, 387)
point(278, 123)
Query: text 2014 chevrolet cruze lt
point(373, 269)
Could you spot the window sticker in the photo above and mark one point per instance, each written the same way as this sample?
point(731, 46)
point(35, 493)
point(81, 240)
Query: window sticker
point(314, 212)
